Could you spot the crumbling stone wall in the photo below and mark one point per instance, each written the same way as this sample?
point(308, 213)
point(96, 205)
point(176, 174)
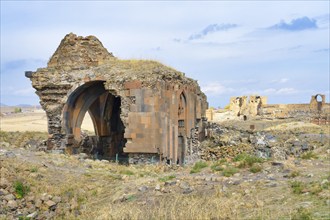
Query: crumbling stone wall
point(238, 104)
point(315, 110)
point(315, 104)
point(137, 107)
point(243, 106)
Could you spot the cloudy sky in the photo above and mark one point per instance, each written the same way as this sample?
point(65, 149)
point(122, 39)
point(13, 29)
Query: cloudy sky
point(279, 49)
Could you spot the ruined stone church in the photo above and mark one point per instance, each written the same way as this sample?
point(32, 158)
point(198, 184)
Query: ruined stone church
point(141, 110)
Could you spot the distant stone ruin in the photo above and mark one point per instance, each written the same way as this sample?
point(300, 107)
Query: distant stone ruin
point(317, 102)
point(244, 107)
point(141, 110)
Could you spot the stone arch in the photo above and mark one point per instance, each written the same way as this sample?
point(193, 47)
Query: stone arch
point(317, 102)
point(182, 110)
point(104, 109)
point(78, 104)
point(319, 98)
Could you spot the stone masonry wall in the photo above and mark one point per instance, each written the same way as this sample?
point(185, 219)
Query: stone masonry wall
point(159, 107)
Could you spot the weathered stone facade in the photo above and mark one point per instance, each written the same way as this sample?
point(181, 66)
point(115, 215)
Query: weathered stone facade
point(317, 105)
point(244, 107)
point(137, 107)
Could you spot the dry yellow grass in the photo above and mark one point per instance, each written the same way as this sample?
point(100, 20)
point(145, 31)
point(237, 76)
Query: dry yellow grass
point(104, 190)
point(34, 121)
point(97, 189)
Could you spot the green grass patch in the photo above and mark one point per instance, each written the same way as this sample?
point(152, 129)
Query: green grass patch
point(302, 214)
point(229, 171)
point(309, 155)
point(297, 187)
point(167, 178)
point(94, 192)
point(34, 169)
point(127, 172)
point(246, 160)
point(131, 198)
point(20, 189)
point(198, 166)
point(313, 188)
point(23, 218)
point(217, 166)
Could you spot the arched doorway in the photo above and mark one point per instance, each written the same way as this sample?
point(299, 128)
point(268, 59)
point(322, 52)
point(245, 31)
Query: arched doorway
point(104, 110)
point(319, 101)
point(182, 126)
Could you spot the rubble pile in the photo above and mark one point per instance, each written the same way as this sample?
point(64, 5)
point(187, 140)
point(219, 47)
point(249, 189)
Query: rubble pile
point(228, 142)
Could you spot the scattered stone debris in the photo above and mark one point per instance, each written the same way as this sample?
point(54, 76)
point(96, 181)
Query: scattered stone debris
point(224, 142)
point(74, 186)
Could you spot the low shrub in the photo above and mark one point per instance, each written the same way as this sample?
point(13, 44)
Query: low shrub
point(17, 110)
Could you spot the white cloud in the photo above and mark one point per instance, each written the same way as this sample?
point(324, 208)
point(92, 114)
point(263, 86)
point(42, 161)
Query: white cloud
point(281, 91)
point(282, 80)
point(269, 91)
point(286, 91)
point(241, 62)
point(216, 88)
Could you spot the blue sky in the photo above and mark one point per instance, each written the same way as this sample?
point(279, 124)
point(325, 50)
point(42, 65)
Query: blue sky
point(279, 49)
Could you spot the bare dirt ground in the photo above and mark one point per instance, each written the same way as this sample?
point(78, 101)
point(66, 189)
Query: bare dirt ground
point(38, 185)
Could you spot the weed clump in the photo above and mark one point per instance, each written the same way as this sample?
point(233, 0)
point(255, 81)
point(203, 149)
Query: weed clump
point(256, 168)
point(313, 188)
point(198, 167)
point(217, 166)
point(229, 171)
point(309, 155)
point(246, 160)
point(302, 214)
point(294, 174)
point(167, 178)
point(297, 187)
point(20, 189)
point(34, 170)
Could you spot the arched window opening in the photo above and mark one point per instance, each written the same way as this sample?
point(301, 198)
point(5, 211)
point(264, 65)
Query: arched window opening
point(182, 127)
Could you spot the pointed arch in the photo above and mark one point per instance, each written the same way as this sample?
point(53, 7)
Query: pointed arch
point(182, 126)
point(104, 109)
